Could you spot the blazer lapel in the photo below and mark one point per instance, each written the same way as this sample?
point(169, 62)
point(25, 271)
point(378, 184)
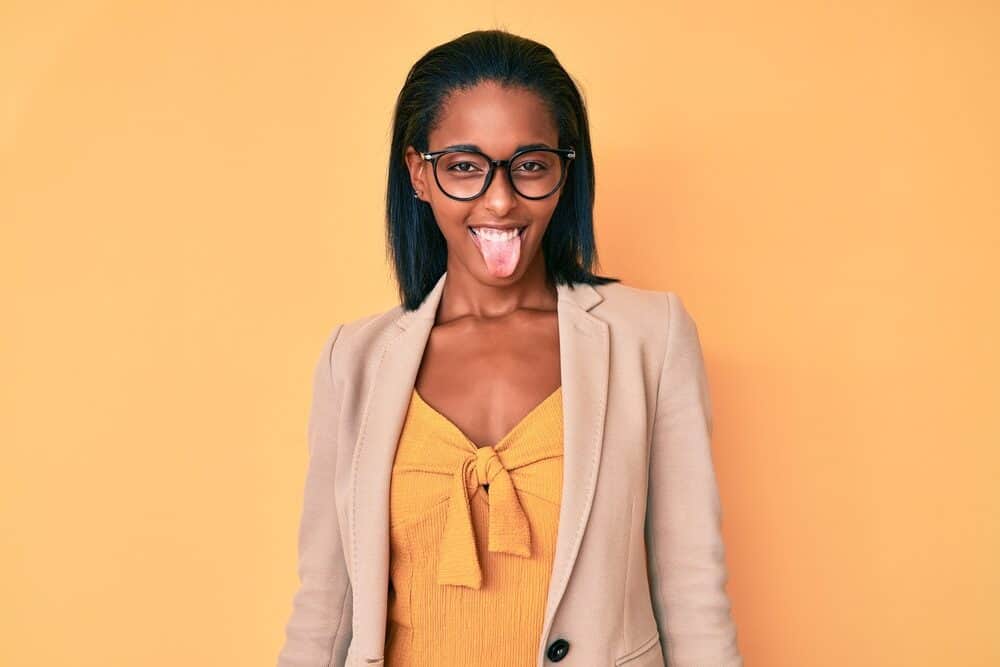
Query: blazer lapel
point(584, 359)
point(584, 355)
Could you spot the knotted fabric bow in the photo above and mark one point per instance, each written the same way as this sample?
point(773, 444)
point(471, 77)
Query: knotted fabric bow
point(509, 530)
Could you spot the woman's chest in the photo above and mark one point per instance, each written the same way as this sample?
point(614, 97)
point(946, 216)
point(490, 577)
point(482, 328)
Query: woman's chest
point(485, 379)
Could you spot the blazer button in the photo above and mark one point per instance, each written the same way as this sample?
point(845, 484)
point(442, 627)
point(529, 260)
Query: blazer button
point(558, 650)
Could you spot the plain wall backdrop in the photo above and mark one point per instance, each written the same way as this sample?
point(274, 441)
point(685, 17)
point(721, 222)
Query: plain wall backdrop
point(191, 197)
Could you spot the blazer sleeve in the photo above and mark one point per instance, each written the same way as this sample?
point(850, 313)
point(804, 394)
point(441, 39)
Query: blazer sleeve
point(319, 628)
point(685, 553)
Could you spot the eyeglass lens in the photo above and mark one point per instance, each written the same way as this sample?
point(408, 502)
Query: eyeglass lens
point(534, 174)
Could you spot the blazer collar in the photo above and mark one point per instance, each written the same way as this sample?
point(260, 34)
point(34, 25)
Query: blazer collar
point(581, 295)
point(584, 356)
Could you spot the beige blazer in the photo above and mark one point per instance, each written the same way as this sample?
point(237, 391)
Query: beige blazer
point(639, 570)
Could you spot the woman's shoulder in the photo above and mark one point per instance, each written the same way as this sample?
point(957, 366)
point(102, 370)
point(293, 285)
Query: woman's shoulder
point(640, 305)
point(365, 329)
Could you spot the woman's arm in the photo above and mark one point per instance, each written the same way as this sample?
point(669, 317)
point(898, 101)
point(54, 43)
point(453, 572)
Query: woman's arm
point(684, 548)
point(319, 629)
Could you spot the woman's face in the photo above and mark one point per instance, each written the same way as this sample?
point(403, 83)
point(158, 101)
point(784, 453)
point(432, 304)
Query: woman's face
point(498, 120)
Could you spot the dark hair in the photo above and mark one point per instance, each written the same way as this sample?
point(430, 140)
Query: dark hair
point(415, 245)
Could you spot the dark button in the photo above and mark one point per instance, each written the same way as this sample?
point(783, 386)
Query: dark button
point(558, 650)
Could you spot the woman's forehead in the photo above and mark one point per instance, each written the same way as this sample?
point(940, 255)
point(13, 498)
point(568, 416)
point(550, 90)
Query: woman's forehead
point(495, 118)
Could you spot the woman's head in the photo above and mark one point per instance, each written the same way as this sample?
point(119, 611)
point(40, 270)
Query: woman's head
point(495, 93)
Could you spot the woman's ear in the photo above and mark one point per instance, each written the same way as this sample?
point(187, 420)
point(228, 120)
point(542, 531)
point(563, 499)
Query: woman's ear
point(417, 168)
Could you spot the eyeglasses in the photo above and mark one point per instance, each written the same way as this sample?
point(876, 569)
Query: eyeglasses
point(534, 173)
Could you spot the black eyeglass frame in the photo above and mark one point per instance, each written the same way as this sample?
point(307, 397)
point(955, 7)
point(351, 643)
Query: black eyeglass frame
point(565, 154)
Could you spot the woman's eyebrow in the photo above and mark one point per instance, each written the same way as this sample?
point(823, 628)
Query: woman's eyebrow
point(474, 147)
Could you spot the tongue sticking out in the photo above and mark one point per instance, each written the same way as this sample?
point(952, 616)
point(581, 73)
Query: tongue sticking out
point(500, 256)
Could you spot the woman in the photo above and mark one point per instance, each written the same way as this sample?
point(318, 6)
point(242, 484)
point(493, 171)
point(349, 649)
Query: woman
point(512, 466)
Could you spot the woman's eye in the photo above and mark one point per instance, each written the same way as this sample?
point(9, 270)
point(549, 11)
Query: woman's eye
point(535, 166)
point(459, 166)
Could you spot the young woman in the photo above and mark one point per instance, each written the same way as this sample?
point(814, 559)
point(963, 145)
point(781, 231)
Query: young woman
point(513, 466)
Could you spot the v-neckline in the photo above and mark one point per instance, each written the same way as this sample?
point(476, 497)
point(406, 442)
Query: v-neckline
point(514, 429)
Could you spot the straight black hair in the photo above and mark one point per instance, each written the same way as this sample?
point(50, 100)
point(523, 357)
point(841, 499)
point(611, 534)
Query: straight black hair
point(415, 245)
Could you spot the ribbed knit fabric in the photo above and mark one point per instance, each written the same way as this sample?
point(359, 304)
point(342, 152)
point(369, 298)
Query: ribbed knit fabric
point(470, 566)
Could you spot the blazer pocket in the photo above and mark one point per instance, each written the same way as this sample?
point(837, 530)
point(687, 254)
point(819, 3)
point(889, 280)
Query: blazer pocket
point(646, 654)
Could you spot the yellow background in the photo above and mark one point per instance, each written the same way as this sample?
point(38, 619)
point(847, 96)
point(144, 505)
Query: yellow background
point(191, 196)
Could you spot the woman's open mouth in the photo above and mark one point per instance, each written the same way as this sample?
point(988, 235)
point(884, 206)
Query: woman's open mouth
point(496, 233)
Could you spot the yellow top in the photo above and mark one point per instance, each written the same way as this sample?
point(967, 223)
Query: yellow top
point(470, 566)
